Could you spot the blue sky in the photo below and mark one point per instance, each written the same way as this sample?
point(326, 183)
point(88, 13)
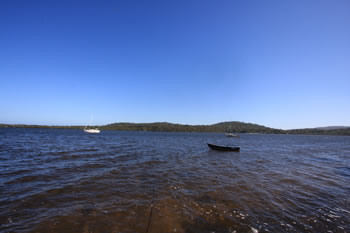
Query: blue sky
point(283, 64)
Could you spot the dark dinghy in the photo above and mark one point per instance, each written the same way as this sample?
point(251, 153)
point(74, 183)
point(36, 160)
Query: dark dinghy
point(224, 148)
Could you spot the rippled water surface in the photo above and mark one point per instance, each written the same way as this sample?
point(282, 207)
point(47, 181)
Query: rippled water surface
point(58, 180)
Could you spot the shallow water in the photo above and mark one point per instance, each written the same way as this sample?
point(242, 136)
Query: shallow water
point(59, 180)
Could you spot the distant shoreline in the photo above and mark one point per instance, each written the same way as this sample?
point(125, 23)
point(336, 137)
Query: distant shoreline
point(222, 127)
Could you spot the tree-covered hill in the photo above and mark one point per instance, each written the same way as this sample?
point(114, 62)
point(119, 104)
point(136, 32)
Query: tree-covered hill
point(232, 126)
point(318, 131)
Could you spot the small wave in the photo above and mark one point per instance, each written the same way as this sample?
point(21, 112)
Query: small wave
point(344, 171)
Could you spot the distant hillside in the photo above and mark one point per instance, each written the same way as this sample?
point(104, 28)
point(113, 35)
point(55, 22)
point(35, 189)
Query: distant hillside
point(233, 126)
point(332, 127)
point(40, 126)
point(318, 131)
point(241, 127)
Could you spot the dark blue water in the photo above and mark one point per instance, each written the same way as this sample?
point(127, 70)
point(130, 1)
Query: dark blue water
point(59, 180)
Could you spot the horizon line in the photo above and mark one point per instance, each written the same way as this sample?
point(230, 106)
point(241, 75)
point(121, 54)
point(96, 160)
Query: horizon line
point(125, 122)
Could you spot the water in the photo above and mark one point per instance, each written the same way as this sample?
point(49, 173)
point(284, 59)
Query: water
point(56, 180)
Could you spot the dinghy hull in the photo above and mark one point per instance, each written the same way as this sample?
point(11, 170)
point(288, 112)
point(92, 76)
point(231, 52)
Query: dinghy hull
point(224, 148)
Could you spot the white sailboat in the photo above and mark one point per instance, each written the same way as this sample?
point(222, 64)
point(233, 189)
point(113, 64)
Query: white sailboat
point(231, 135)
point(229, 132)
point(96, 130)
point(91, 130)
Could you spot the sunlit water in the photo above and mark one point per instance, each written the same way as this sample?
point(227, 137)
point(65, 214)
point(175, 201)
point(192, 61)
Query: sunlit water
point(56, 180)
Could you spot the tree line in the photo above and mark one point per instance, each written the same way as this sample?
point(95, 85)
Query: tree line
point(230, 126)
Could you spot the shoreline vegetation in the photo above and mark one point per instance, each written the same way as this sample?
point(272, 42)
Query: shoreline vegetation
point(234, 126)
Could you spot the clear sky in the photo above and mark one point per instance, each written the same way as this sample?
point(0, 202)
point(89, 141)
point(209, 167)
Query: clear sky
point(283, 64)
